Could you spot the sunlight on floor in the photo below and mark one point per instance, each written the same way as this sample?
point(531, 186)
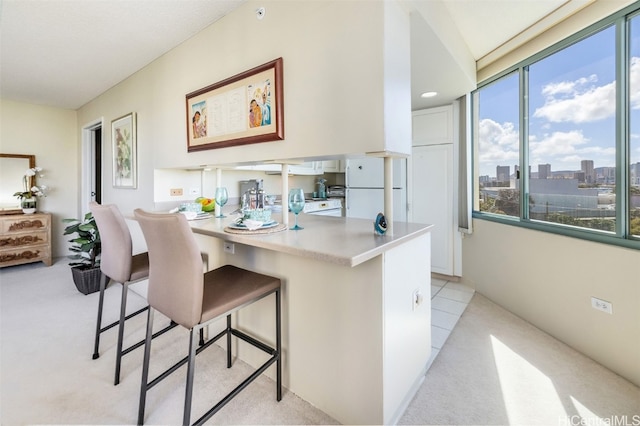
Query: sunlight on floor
point(521, 382)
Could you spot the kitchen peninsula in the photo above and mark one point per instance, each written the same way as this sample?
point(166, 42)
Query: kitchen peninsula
point(356, 309)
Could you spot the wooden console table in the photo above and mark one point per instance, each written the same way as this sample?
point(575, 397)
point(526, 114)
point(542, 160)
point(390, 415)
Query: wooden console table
point(25, 239)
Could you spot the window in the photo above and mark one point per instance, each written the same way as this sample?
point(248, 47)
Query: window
point(499, 146)
point(572, 134)
point(559, 117)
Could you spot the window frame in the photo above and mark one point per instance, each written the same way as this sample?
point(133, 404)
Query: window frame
point(621, 235)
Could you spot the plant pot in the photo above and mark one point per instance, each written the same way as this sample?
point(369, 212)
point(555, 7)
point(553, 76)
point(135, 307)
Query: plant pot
point(87, 280)
point(28, 205)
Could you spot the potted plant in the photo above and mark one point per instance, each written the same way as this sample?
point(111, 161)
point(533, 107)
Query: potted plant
point(30, 191)
point(85, 246)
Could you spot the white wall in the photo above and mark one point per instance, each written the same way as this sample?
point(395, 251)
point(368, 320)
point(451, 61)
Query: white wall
point(334, 86)
point(207, 180)
point(549, 280)
point(51, 135)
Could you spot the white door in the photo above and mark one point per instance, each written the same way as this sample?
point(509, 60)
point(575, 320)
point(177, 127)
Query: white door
point(432, 200)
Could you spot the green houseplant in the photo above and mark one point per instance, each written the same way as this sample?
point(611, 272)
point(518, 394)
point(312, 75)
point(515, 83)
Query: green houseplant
point(85, 248)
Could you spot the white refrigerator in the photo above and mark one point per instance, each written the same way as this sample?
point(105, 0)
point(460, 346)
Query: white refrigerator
point(364, 196)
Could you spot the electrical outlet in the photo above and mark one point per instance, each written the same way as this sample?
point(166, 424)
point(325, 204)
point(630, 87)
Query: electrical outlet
point(229, 247)
point(175, 192)
point(194, 191)
point(602, 305)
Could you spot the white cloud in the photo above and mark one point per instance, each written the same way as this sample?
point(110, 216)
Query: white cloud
point(565, 150)
point(499, 143)
point(568, 87)
point(556, 144)
point(582, 101)
point(596, 103)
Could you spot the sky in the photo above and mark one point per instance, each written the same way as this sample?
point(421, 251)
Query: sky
point(571, 109)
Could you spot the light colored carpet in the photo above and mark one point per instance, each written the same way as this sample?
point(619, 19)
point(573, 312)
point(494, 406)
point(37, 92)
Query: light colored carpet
point(48, 376)
point(493, 369)
point(496, 369)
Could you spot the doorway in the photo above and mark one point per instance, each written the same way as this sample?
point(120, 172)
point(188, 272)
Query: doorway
point(91, 185)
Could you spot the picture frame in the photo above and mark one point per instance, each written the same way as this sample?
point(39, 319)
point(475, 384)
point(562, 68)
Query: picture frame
point(125, 157)
point(244, 109)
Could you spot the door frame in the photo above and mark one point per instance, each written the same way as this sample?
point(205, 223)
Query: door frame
point(88, 158)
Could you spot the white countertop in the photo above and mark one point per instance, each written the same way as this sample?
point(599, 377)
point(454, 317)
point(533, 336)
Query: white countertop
point(339, 240)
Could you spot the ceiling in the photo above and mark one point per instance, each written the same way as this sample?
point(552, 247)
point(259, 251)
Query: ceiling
point(64, 53)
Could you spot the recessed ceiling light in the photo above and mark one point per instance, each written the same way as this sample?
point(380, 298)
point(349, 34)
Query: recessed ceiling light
point(429, 94)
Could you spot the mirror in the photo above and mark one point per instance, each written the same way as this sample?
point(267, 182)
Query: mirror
point(12, 169)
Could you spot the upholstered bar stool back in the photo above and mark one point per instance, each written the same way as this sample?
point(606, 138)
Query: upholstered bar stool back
point(178, 281)
point(119, 264)
point(181, 291)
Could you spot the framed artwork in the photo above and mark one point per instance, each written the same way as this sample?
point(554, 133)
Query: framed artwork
point(123, 139)
point(243, 109)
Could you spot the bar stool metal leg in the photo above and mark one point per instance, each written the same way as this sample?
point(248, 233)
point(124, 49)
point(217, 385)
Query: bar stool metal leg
point(228, 341)
point(103, 285)
point(145, 367)
point(191, 365)
point(123, 308)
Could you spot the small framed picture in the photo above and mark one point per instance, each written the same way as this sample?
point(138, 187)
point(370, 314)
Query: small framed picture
point(123, 139)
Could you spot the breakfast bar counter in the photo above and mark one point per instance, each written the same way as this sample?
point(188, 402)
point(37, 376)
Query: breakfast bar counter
point(356, 309)
point(343, 241)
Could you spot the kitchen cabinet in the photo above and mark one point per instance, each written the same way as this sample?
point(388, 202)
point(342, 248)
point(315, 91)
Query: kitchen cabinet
point(309, 168)
point(346, 285)
point(25, 239)
point(434, 185)
point(333, 166)
point(433, 126)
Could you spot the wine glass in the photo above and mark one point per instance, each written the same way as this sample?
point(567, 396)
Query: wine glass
point(222, 196)
point(296, 204)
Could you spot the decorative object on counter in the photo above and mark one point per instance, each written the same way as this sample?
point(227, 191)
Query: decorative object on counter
point(30, 190)
point(296, 204)
point(85, 245)
point(380, 224)
point(123, 139)
point(191, 207)
point(322, 193)
point(222, 196)
point(258, 92)
point(249, 227)
point(262, 215)
point(250, 224)
point(270, 200)
point(191, 212)
point(208, 204)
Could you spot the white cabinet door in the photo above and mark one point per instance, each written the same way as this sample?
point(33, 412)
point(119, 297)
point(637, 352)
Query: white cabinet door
point(432, 200)
point(303, 169)
point(333, 166)
point(433, 126)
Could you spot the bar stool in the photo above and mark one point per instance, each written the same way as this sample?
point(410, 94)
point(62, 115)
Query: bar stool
point(118, 264)
point(179, 290)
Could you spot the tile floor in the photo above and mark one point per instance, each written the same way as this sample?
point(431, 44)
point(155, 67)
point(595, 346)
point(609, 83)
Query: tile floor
point(448, 302)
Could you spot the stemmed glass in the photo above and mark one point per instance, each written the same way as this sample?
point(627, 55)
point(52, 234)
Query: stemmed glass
point(222, 196)
point(296, 204)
